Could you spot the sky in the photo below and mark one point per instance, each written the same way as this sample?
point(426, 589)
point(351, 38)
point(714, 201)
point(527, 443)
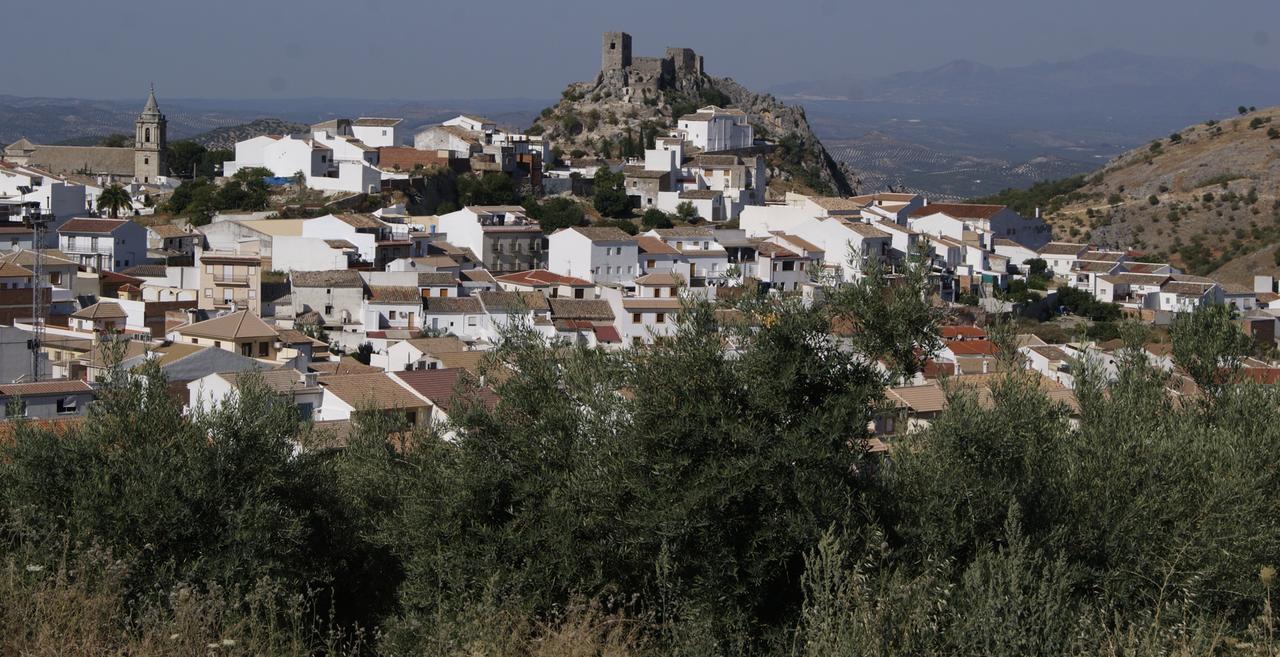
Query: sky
point(433, 50)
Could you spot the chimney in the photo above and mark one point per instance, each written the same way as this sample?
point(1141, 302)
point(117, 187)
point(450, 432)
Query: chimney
point(482, 379)
point(1037, 212)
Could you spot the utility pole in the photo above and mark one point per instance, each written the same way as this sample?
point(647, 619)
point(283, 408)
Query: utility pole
point(38, 222)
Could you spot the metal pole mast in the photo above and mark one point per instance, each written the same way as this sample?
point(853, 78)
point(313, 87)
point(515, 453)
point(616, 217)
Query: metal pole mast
point(38, 221)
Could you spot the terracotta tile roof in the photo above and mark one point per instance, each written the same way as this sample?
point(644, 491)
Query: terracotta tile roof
point(1051, 352)
point(340, 244)
point(701, 194)
point(394, 294)
point(684, 232)
point(663, 278)
point(11, 270)
point(650, 244)
point(240, 325)
point(476, 276)
point(437, 279)
point(59, 387)
point(284, 381)
point(1094, 266)
point(360, 220)
point(169, 230)
point(147, 271)
point(501, 301)
point(798, 242)
point(97, 226)
point(543, 277)
point(637, 171)
point(441, 387)
point(448, 344)
point(376, 122)
point(1062, 248)
point(467, 360)
point(959, 210)
point(601, 233)
point(771, 250)
point(955, 332)
point(866, 230)
point(1144, 267)
point(1102, 256)
point(453, 305)
point(839, 204)
point(101, 310)
point(346, 365)
point(375, 390)
point(589, 309)
point(341, 278)
point(1187, 288)
point(971, 347)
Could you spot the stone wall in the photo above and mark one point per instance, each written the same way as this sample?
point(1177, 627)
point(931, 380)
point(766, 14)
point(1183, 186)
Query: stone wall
point(615, 51)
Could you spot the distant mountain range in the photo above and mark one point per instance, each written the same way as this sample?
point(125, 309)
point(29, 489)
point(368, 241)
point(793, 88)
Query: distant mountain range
point(967, 129)
point(65, 120)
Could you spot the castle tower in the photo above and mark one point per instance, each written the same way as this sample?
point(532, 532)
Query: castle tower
point(149, 142)
point(615, 52)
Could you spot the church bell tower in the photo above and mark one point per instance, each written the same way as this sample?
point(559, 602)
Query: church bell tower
point(149, 142)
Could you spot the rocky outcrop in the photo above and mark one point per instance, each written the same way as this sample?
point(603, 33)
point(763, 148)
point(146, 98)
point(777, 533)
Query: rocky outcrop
point(616, 115)
point(226, 138)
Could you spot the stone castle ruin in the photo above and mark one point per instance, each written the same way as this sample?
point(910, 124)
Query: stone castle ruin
point(646, 75)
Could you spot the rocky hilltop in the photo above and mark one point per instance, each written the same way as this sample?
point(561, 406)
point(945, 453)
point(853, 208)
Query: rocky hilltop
point(1204, 196)
point(226, 138)
point(632, 100)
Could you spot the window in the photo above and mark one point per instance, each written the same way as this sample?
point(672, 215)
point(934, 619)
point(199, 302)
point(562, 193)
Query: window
point(253, 294)
point(306, 411)
point(226, 295)
point(328, 310)
point(391, 314)
point(217, 344)
point(208, 269)
point(264, 349)
point(67, 406)
point(471, 321)
point(246, 349)
point(208, 293)
point(635, 318)
point(660, 318)
point(147, 133)
point(146, 160)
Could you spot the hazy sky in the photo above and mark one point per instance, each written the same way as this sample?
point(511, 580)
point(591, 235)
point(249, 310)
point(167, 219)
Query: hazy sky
point(426, 49)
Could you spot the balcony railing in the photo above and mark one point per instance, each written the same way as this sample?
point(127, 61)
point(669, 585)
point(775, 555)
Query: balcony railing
point(86, 250)
point(221, 279)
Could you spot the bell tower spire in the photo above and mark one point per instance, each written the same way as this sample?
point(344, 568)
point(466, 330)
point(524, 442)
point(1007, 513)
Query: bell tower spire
point(149, 142)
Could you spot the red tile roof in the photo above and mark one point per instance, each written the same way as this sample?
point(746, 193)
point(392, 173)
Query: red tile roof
point(959, 210)
point(971, 347)
point(102, 226)
point(961, 332)
point(542, 277)
point(441, 386)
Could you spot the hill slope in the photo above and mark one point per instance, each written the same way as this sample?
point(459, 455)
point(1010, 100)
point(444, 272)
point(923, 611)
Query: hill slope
point(599, 118)
point(1203, 196)
point(226, 138)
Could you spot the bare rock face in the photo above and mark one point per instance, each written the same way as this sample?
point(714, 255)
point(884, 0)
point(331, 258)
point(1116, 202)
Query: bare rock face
point(634, 99)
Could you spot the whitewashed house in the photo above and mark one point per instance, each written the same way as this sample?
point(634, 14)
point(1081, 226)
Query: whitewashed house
point(598, 254)
point(103, 244)
point(716, 129)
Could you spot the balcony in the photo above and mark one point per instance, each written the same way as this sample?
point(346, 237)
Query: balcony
point(230, 281)
point(80, 249)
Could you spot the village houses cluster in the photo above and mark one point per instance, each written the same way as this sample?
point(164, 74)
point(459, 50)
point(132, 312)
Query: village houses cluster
point(386, 311)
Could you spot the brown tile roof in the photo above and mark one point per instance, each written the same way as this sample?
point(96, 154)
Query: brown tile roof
point(375, 390)
point(360, 220)
point(1093, 266)
point(476, 276)
point(1185, 288)
point(285, 380)
point(467, 360)
point(98, 226)
point(241, 325)
point(447, 344)
point(441, 386)
point(637, 171)
point(959, 210)
point(453, 305)
point(683, 231)
point(169, 230)
point(590, 309)
point(865, 230)
point(147, 271)
point(340, 244)
point(58, 387)
point(542, 278)
point(664, 278)
point(342, 278)
point(602, 233)
point(1145, 267)
point(394, 294)
point(101, 310)
point(771, 250)
point(1052, 352)
point(346, 365)
point(1102, 256)
point(1129, 278)
point(436, 279)
point(700, 194)
point(11, 270)
point(377, 122)
point(512, 301)
point(706, 161)
point(797, 241)
point(839, 204)
point(1062, 248)
point(650, 244)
